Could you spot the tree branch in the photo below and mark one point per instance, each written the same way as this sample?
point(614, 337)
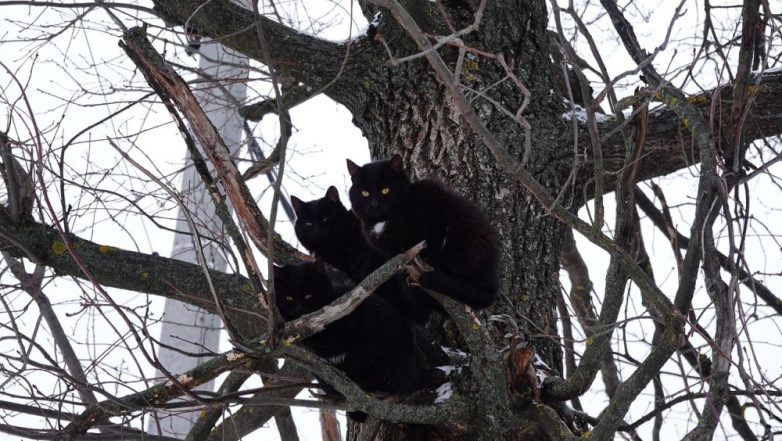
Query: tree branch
point(669, 141)
point(251, 416)
point(704, 218)
point(453, 411)
point(166, 81)
point(724, 339)
point(316, 62)
point(130, 270)
point(308, 59)
point(308, 324)
point(208, 417)
point(32, 285)
point(756, 286)
point(155, 395)
point(290, 98)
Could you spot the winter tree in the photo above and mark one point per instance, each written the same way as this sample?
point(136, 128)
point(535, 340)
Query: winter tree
point(627, 155)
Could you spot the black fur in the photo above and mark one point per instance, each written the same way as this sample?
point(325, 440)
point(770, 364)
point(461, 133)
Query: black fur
point(462, 247)
point(332, 233)
point(373, 345)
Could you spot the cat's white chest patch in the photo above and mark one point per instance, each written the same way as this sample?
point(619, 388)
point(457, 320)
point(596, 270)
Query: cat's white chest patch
point(378, 229)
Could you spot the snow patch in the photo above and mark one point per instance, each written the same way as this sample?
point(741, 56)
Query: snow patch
point(772, 70)
point(444, 393)
point(448, 370)
point(541, 369)
point(185, 379)
point(453, 352)
point(539, 362)
point(376, 19)
point(581, 115)
point(375, 23)
point(541, 377)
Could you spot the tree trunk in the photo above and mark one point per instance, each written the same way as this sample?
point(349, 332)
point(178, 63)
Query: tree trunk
point(404, 109)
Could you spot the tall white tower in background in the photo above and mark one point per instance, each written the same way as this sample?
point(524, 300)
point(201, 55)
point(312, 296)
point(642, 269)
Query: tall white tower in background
point(186, 327)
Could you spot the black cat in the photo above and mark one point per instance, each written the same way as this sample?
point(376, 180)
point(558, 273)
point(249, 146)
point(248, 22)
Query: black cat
point(396, 214)
point(332, 233)
point(373, 345)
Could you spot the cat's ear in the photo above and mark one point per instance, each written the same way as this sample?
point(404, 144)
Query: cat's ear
point(339, 281)
point(333, 194)
point(396, 163)
point(296, 203)
point(352, 167)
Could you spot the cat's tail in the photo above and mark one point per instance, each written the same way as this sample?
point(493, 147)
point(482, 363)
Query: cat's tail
point(475, 295)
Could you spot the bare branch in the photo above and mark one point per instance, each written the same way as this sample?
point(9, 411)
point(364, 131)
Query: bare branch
point(311, 323)
point(111, 266)
point(311, 60)
point(156, 395)
point(166, 81)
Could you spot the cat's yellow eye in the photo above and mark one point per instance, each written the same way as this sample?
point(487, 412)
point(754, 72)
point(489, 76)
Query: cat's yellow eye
point(307, 296)
point(385, 190)
point(364, 193)
point(289, 298)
